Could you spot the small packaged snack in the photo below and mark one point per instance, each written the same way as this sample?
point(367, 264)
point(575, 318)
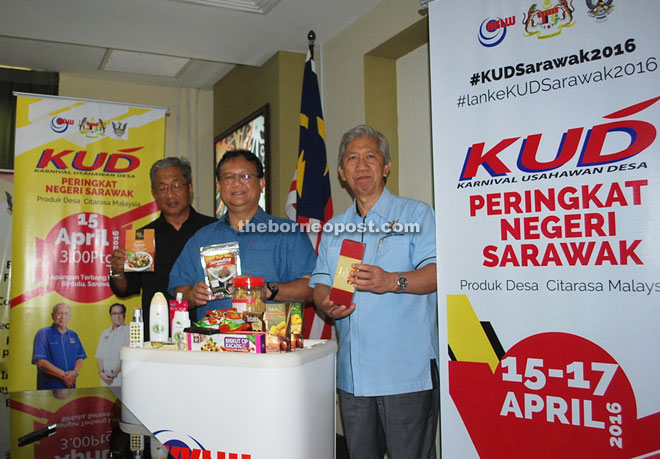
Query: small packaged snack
point(140, 250)
point(221, 263)
point(232, 321)
point(256, 320)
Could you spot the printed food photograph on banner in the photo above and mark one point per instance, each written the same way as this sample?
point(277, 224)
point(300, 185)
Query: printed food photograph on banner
point(547, 179)
point(82, 180)
point(249, 134)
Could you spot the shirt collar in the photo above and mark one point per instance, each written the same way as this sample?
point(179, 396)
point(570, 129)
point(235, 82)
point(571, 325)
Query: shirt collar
point(260, 216)
point(381, 207)
point(55, 328)
point(161, 222)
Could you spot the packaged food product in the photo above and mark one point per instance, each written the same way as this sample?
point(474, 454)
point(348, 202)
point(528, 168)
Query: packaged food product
point(207, 322)
point(256, 320)
point(140, 250)
point(233, 325)
point(221, 264)
point(277, 327)
point(223, 342)
point(225, 320)
point(350, 252)
point(296, 329)
point(243, 342)
point(248, 294)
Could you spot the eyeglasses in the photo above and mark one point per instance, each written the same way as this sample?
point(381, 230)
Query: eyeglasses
point(176, 187)
point(117, 313)
point(228, 179)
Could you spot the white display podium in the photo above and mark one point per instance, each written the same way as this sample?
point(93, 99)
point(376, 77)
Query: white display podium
point(245, 406)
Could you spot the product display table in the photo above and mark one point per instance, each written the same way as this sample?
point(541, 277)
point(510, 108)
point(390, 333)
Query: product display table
point(247, 406)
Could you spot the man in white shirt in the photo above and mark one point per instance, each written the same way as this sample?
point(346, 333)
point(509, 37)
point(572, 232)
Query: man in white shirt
point(111, 341)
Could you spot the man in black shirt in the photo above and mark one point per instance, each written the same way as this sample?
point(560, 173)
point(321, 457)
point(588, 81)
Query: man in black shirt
point(172, 189)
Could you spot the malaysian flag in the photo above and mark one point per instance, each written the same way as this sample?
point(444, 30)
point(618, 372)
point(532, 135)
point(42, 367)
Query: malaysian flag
point(309, 201)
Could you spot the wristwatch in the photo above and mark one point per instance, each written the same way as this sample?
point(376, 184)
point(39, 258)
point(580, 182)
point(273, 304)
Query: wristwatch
point(402, 282)
point(274, 288)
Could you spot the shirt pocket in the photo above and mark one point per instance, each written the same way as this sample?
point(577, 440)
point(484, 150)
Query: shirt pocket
point(393, 252)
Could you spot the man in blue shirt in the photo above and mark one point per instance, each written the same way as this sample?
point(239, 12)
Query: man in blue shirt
point(388, 336)
point(269, 247)
point(58, 352)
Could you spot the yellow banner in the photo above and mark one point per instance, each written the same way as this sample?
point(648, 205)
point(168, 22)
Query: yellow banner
point(82, 177)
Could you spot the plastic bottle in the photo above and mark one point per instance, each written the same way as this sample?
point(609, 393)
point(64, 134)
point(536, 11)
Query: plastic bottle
point(159, 318)
point(136, 329)
point(180, 319)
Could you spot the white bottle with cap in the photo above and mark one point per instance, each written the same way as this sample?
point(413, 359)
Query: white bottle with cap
point(159, 318)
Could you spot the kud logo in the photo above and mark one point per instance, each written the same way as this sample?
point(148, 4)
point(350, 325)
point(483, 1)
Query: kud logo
point(59, 124)
point(492, 31)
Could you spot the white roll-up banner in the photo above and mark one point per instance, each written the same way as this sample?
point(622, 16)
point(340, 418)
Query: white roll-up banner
point(547, 191)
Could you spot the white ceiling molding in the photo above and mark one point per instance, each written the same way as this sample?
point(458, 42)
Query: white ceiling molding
point(143, 63)
point(251, 6)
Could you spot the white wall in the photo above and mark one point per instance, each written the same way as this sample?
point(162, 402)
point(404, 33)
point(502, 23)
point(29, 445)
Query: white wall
point(342, 76)
point(414, 115)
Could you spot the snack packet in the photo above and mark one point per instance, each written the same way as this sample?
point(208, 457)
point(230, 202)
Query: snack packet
point(225, 320)
point(232, 321)
point(221, 263)
point(140, 250)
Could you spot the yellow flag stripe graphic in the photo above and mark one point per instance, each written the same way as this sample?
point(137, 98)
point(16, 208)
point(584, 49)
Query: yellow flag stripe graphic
point(320, 124)
point(467, 338)
point(300, 175)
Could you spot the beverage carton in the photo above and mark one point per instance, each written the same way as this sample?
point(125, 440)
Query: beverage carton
point(296, 329)
point(276, 322)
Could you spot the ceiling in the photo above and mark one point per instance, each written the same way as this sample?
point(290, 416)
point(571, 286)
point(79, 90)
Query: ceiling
point(188, 43)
